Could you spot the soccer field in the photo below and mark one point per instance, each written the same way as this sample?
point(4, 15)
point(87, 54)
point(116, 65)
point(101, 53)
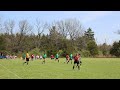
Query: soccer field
point(92, 68)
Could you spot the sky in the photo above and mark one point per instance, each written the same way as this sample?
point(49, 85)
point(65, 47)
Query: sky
point(103, 23)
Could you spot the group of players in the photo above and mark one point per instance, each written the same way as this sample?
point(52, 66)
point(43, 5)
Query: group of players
point(76, 58)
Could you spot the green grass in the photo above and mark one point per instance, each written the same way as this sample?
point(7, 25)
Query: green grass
point(92, 68)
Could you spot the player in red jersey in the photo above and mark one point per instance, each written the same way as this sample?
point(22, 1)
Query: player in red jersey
point(67, 58)
point(76, 61)
point(32, 56)
point(52, 57)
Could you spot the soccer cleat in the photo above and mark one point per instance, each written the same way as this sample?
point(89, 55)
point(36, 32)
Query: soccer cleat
point(24, 63)
point(73, 67)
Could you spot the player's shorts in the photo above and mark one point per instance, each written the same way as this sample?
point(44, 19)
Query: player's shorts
point(27, 59)
point(23, 57)
point(56, 58)
point(67, 58)
point(43, 57)
point(76, 62)
point(70, 58)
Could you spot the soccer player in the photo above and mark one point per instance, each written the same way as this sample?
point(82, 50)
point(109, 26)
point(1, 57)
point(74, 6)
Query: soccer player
point(27, 58)
point(52, 57)
point(57, 57)
point(76, 61)
point(71, 57)
point(67, 58)
point(80, 59)
point(23, 56)
point(37, 56)
point(40, 57)
point(32, 56)
point(44, 57)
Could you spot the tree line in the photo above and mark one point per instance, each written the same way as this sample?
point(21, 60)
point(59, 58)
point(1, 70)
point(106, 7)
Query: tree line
point(63, 37)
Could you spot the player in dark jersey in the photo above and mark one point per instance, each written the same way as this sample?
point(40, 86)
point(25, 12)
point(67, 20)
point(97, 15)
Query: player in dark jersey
point(76, 61)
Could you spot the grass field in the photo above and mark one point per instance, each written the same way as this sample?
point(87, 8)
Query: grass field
point(92, 68)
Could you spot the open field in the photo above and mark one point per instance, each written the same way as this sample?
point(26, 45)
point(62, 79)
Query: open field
point(92, 68)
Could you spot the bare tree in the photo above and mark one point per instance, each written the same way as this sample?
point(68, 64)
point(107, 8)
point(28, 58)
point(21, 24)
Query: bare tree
point(70, 27)
point(74, 28)
point(54, 37)
point(9, 26)
point(1, 26)
point(62, 28)
point(24, 29)
point(40, 27)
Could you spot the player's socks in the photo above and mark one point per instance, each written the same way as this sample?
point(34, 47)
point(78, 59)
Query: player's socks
point(73, 67)
point(78, 67)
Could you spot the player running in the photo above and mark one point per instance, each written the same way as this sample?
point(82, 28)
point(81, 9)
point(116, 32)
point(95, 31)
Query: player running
point(27, 58)
point(71, 57)
point(76, 61)
point(44, 57)
point(52, 57)
point(67, 58)
point(57, 57)
point(80, 59)
point(23, 56)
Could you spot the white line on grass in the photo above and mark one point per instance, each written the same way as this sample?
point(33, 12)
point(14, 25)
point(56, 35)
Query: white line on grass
point(11, 71)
